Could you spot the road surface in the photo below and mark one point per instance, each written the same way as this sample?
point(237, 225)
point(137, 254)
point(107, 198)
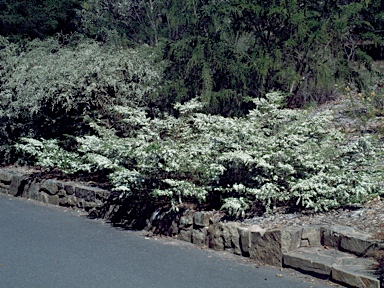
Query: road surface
point(44, 246)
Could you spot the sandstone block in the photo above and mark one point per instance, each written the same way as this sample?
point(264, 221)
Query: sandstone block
point(16, 187)
point(33, 191)
point(215, 240)
point(342, 267)
point(13, 182)
point(53, 199)
point(199, 236)
point(63, 201)
point(266, 247)
point(61, 193)
point(51, 186)
point(347, 239)
point(85, 193)
point(3, 189)
point(269, 247)
point(42, 197)
point(357, 245)
point(309, 263)
point(71, 200)
point(231, 237)
point(311, 236)
point(69, 188)
point(5, 181)
point(290, 238)
point(174, 229)
point(6, 177)
point(186, 220)
point(331, 235)
point(185, 235)
point(354, 278)
point(201, 219)
point(90, 194)
point(245, 240)
point(101, 194)
point(224, 236)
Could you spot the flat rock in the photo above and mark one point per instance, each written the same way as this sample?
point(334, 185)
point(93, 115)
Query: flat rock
point(336, 265)
point(312, 260)
point(347, 275)
point(347, 239)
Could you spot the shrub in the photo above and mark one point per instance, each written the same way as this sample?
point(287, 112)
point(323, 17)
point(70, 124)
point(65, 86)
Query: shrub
point(50, 90)
point(274, 157)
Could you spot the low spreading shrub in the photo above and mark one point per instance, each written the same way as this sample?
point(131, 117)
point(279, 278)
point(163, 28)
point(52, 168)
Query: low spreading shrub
point(273, 157)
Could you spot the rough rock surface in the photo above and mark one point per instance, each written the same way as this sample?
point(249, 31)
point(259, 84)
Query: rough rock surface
point(318, 243)
point(348, 239)
point(339, 266)
point(367, 218)
point(224, 236)
point(20, 182)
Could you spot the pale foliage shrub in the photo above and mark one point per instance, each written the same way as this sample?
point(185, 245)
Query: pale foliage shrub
point(86, 74)
point(47, 153)
point(236, 206)
point(274, 157)
point(48, 89)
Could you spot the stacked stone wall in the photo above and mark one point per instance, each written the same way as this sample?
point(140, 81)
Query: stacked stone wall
point(277, 247)
point(205, 228)
point(51, 191)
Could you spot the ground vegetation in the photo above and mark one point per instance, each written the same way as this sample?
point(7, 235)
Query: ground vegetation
point(224, 104)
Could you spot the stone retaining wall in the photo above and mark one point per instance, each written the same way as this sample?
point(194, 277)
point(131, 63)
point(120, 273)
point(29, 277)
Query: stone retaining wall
point(201, 228)
point(276, 247)
point(207, 229)
point(23, 183)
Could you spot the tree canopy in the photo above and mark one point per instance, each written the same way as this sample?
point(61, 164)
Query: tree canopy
point(36, 19)
point(226, 52)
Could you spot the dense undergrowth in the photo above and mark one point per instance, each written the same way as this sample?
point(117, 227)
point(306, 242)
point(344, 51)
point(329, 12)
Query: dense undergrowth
point(274, 157)
point(198, 101)
point(84, 109)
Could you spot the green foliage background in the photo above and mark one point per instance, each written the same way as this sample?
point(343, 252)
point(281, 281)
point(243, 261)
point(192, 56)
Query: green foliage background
point(224, 50)
point(36, 19)
point(229, 50)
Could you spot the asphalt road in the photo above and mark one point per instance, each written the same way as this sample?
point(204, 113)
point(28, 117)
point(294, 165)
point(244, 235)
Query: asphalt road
point(48, 247)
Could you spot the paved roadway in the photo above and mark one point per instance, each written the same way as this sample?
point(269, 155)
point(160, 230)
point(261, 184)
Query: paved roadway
point(49, 247)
